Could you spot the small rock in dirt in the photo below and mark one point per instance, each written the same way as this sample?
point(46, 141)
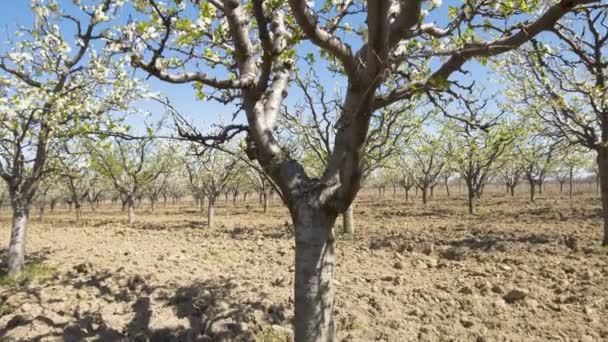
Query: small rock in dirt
point(85, 268)
point(498, 289)
point(453, 254)
point(135, 281)
point(466, 290)
point(466, 322)
point(571, 242)
point(427, 249)
point(515, 295)
point(505, 268)
point(398, 265)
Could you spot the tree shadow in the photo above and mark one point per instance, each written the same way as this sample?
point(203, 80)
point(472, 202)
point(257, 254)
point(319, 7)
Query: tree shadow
point(214, 309)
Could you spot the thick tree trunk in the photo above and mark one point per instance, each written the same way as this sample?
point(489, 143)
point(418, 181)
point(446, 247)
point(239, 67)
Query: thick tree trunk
point(512, 189)
point(532, 188)
point(540, 188)
point(407, 194)
point(561, 188)
point(347, 220)
point(211, 212)
point(314, 292)
point(131, 210)
point(16, 247)
point(265, 201)
point(447, 188)
point(602, 161)
point(424, 194)
point(202, 203)
point(234, 198)
point(471, 202)
point(78, 211)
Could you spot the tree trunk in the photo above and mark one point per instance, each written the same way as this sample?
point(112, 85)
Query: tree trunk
point(265, 201)
point(234, 198)
point(314, 292)
point(512, 188)
point(471, 202)
point(78, 211)
point(532, 188)
point(202, 203)
point(394, 190)
point(131, 210)
point(16, 247)
point(347, 220)
point(407, 194)
point(540, 188)
point(424, 193)
point(602, 161)
point(570, 177)
point(447, 187)
point(211, 212)
point(41, 214)
point(561, 187)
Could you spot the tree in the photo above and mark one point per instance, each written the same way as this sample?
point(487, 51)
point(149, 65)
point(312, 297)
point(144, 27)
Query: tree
point(537, 156)
point(75, 169)
point(477, 139)
point(569, 161)
point(254, 42)
point(567, 86)
point(211, 172)
point(425, 163)
point(53, 86)
point(130, 165)
point(261, 184)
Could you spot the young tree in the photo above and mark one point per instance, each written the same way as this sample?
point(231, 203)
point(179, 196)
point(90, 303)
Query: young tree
point(400, 57)
point(426, 162)
point(130, 165)
point(477, 139)
point(510, 169)
point(261, 184)
point(537, 157)
point(53, 86)
point(211, 171)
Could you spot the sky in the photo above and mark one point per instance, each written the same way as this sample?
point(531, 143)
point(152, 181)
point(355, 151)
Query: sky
point(203, 114)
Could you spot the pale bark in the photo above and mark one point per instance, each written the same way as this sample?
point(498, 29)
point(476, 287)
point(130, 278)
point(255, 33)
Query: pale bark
point(348, 220)
point(16, 248)
point(211, 212)
point(314, 292)
point(131, 210)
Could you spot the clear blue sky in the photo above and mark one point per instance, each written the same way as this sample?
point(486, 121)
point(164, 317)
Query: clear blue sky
point(17, 12)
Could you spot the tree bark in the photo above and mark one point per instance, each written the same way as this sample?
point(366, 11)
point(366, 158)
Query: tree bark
point(471, 202)
point(265, 201)
point(41, 214)
point(532, 188)
point(314, 292)
point(78, 211)
point(512, 189)
point(602, 162)
point(131, 210)
point(211, 212)
point(16, 248)
point(424, 193)
point(347, 220)
point(570, 177)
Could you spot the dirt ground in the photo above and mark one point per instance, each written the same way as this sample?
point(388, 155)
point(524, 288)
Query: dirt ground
point(515, 272)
